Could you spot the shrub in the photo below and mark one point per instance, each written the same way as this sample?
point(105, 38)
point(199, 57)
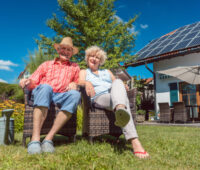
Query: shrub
point(141, 112)
point(18, 95)
point(11, 92)
point(19, 110)
point(18, 113)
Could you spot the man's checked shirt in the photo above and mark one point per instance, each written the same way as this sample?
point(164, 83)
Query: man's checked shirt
point(57, 75)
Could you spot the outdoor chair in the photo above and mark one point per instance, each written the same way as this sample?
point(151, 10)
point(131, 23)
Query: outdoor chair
point(166, 114)
point(69, 129)
point(98, 121)
point(180, 112)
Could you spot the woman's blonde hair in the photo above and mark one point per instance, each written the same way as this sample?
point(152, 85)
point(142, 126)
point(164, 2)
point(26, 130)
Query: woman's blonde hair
point(99, 52)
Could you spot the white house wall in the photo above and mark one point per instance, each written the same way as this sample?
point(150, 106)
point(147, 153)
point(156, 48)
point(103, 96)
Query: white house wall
point(162, 85)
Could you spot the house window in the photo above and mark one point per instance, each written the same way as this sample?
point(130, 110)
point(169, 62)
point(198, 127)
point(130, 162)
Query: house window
point(189, 94)
point(163, 76)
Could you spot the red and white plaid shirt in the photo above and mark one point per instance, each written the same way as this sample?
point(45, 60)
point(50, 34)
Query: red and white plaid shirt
point(56, 74)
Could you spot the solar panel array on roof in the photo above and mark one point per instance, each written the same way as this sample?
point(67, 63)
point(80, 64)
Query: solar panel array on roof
point(184, 37)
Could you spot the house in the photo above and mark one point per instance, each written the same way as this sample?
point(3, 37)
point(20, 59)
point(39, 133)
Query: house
point(148, 93)
point(180, 47)
point(24, 74)
point(125, 77)
point(147, 96)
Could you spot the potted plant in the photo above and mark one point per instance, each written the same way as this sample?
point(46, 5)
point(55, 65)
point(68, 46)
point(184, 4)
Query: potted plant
point(140, 116)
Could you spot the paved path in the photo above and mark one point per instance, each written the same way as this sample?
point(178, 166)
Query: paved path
point(155, 123)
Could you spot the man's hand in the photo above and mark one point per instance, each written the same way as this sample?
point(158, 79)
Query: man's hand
point(24, 82)
point(72, 86)
point(89, 89)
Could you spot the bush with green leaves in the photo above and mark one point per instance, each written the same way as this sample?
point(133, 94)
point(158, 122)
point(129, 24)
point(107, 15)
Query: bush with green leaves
point(11, 92)
point(141, 112)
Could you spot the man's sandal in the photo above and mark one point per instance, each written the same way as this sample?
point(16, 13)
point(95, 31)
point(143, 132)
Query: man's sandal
point(34, 147)
point(47, 146)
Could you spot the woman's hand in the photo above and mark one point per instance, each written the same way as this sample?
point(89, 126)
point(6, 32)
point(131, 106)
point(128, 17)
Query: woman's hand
point(89, 89)
point(126, 87)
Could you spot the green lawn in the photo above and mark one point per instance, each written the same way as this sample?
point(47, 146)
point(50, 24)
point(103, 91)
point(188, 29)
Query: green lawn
point(169, 147)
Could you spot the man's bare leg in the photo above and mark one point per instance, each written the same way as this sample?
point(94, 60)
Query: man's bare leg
point(39, 115)
point(60, 120)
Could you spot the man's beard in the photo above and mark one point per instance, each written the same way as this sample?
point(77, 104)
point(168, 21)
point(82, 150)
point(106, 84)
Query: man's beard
point(63, 53)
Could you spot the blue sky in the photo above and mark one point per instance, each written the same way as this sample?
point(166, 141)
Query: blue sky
point(22, 21)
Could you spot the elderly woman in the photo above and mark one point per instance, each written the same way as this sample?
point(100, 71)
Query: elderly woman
point(103, 88)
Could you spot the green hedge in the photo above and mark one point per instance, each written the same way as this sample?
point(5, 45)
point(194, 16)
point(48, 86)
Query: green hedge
point(11, 92)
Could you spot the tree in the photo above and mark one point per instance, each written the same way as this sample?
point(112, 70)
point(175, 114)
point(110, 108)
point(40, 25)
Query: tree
point(91, 22)
point(36, 59)
point(143, 100)
point(139, 84)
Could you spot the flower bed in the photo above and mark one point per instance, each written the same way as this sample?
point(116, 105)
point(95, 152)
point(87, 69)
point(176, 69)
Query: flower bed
point(18, 113)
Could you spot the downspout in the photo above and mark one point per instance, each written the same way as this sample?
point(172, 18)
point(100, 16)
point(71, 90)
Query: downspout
point(154, 87)
point(154, 75)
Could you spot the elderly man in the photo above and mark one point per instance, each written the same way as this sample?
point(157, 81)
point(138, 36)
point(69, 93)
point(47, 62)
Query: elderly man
point(53, 81)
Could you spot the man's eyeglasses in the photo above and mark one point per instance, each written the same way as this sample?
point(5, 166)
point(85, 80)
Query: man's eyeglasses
point(65, 48)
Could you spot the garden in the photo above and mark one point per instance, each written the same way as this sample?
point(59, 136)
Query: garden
point(95, 22)
point(169, 148)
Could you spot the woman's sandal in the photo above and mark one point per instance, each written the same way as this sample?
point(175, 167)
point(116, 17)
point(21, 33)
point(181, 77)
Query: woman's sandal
point(142, 153)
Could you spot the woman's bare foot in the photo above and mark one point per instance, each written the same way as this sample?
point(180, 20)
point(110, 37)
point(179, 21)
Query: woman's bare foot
point(138, 149)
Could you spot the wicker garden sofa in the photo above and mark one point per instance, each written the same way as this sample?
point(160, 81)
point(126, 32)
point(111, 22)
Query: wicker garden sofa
point(99, 121)
point(69, 129)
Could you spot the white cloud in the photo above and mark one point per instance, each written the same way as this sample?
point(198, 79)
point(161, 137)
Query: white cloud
point(121, 6)
point(5, 68)
point(5, 65)
point(3, 81)
point(131, 30)
point(8, 63)
point(118, 18)
point(144, 26)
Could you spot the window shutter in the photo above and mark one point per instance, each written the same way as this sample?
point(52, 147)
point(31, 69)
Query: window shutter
point(173, 93)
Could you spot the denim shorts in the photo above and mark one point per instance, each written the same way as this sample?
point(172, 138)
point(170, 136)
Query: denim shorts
point(43, 95)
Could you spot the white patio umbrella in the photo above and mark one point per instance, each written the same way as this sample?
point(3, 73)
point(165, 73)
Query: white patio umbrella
point(190, 74)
